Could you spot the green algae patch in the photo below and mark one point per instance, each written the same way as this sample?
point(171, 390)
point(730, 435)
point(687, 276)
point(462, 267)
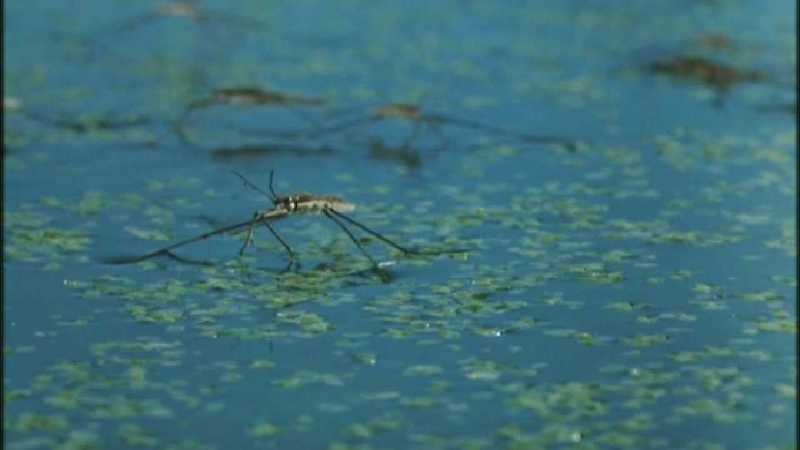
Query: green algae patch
point(136, 436)
point(790, 281)
point(29, 239)
point(786, 390)
point(305, 377)
point(365, 358)
point(28, 422)
point(16, 394)
point(781, 322)
point(419, 402)
point(149, 235)
point(305, 321)
point(81, 439)
point(118, 406)
point(595, 272)
point(381, 395)
point(422, 370)
point(787, 242)
point(721, 378)
point(91, 203)
point(154, 314)
point(263, 429)
point(626, 306)
point(761, 296)
point(482, 370)
point(564, 402)
point(371, 428)
point(722, 411)
point(646, 340)
point(582, 337)
point(262, 364)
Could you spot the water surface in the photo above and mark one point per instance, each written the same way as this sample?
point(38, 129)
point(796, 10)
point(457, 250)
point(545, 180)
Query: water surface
point(634, 289)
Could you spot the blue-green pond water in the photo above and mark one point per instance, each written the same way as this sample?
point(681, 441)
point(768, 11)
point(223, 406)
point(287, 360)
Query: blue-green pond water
point(614, 183)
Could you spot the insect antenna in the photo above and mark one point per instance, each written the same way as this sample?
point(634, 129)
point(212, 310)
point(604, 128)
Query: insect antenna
point(271, 190)
point(252, 186)
point(292, 257)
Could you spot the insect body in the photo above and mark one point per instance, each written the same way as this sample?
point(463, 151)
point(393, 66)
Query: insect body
point(310, 203)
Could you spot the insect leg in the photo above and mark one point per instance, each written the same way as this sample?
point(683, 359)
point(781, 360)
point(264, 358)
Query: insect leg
point(249, 237)
point(328, 213)
point(374, 233)
point(168, 250)
point(285, 245)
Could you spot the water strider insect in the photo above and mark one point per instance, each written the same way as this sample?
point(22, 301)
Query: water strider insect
point(251, 96)
point(331, 206)
point(434, 121)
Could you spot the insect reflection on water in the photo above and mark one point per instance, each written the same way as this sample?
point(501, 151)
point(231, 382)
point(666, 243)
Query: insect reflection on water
point(418, 118)
point(251, 97)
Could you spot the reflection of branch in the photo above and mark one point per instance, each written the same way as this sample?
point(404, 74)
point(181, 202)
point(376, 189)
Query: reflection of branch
point(82, 126)
point(788, 108)
point(251, 96)
point(261, 150)
point(407, 156)
point(179, 9)
point(523, 137)
point(705, 71)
